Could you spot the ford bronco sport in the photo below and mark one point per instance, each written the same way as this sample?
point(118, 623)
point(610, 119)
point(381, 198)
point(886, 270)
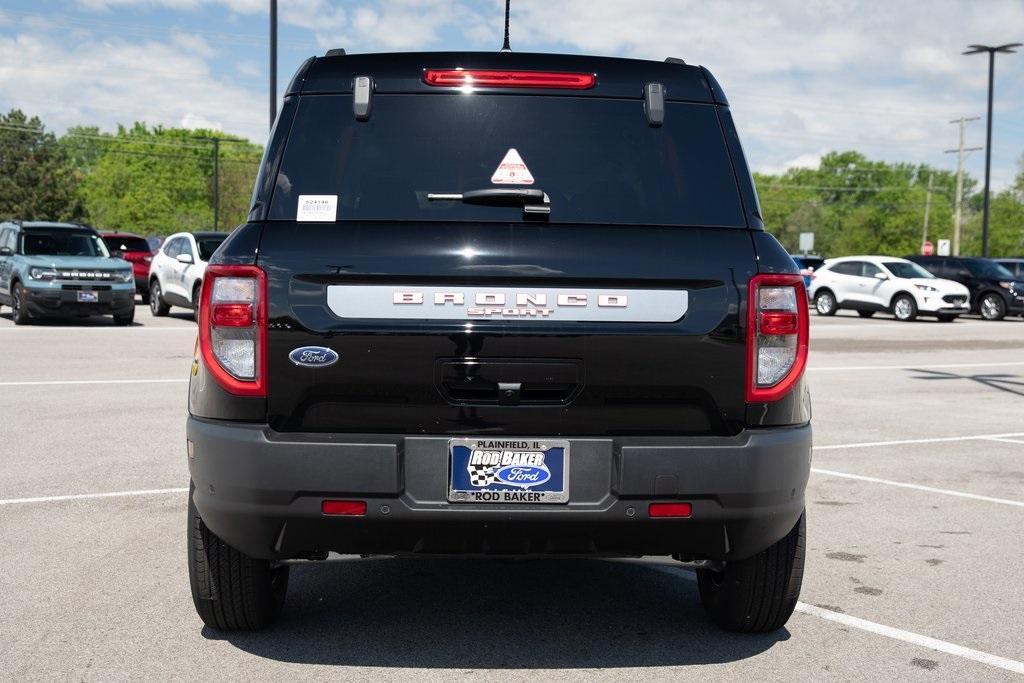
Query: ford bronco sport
point(507, 305)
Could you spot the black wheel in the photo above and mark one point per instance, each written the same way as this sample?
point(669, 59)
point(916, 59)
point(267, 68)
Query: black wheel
point(904, 307)
point(145, 297)
point(992, 307)
point(865, 314)
point(18, 311)
point(757, 595)
point(947, 318)
point(156, 301)
point(825, 303)
point(196, 296)
point(231, 591)
point(125, 319)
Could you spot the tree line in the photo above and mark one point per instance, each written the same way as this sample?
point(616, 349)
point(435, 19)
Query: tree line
point(141, 179)
point(156, 180)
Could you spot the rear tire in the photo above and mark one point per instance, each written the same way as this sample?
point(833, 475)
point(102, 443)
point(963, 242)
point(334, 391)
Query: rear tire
point(156, 302)
point(231, 591)
point(865, 314)
point(904, 308)
point(825, 303)
point(126, 319)
point(19, 314)
point(992, 307)
point(757, 595)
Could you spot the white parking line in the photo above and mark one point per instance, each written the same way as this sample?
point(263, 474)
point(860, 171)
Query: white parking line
point(90, 496)
point(1016, 441)
point(890, 632)
point(913, 638)
point(113, 328)
point(918, 487)
point(923, 366)
point(61, 382)
point(938, 439)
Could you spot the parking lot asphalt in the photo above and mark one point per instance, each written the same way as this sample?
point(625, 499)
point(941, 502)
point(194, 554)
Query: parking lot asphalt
point(915, 519)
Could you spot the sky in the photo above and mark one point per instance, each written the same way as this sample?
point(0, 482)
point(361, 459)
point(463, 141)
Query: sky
point(803, 76)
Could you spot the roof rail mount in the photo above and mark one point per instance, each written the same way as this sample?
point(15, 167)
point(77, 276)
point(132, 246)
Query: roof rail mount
point(674, 60)
point(335, 52)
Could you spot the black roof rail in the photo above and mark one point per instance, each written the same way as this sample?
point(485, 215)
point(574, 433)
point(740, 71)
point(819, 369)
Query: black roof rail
point(674, 60)
point(335, 52)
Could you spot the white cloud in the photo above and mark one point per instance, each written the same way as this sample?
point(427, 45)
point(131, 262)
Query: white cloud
point(120, 82)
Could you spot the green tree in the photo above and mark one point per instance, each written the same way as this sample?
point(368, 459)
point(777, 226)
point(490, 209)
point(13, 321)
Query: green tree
point(855, 205)
point(160, 180)
point(36, 181)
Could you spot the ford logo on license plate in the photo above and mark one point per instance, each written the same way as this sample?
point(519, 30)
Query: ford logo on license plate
point(313, 356)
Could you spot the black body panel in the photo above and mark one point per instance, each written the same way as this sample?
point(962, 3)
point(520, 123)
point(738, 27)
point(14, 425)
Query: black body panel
point(640, 378)
point(403, 73)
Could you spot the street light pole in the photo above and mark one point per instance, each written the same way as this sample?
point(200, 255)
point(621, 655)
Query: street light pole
point(273, 62)
point(973, 50)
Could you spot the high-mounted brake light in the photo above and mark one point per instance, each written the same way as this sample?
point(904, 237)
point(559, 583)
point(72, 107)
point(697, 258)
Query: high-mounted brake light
point(459, 78)
point(233, 328)
point(777, 335)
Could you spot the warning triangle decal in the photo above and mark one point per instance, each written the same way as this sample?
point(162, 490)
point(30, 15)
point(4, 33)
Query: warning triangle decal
point(512, 170)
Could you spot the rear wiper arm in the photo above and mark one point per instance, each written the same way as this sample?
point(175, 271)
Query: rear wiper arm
point(533, 201)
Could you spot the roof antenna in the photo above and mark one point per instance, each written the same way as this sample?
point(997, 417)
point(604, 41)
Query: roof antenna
point(506, 47)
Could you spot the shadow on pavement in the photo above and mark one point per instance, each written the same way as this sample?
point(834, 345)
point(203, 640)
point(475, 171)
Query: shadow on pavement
point(491, 614)
point(1010, 384)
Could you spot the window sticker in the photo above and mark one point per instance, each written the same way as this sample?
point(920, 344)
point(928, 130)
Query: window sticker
point(317, 208)
point(512, 170)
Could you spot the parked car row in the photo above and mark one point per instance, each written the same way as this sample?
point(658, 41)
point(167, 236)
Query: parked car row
point(61, 270)
point(943, 287)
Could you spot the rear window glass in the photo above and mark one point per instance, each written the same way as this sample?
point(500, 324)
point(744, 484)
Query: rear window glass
point(989, 270)
point(126, 244)
point(208, 245)
point(597, 159)
point(61, 242)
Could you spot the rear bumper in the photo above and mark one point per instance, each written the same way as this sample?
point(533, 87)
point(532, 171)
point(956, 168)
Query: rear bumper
point(261, 491)
point(52, 302)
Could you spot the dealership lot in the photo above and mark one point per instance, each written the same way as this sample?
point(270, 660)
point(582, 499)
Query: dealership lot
point(916, 507)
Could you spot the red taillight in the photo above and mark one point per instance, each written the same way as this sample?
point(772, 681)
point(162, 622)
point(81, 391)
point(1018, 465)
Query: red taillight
point(344, 507)
point(231, 315)
point(670, 510)
point(458, 78)
point(777, 335)
point(233, 328)
point(779, 322)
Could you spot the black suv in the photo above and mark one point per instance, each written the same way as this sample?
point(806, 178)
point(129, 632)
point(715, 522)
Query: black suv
point(995, 291)
point(506, 305)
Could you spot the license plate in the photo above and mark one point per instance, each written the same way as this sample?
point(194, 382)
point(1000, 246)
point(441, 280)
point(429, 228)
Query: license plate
point(88, 297)
point(508, 471)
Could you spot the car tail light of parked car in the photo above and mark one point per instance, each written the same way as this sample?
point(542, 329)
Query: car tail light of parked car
point(777, 332)
point(233, 328)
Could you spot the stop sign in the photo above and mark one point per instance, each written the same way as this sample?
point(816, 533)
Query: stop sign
point(927, 249)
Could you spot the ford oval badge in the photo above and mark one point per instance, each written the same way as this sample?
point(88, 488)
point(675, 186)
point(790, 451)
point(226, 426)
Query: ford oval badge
point(523, 475)
point(313, 356)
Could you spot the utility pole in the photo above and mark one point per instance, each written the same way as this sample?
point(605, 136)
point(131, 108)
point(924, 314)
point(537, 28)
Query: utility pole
point(273, 62)
point(959, 151)
point(991, 51)
point(927, 207)
point(216, 183)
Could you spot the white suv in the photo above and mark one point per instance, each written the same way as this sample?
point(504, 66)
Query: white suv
point(176, 272)
point(868, 284)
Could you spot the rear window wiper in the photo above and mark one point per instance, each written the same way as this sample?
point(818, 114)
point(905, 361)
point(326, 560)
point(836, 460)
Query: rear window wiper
point(534, 202)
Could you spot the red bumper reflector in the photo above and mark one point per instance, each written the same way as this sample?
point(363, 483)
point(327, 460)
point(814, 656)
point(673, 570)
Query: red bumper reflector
point(779, 322)
point(232, 315)
point(344, 507)
point(670, 510)
point(456, 78)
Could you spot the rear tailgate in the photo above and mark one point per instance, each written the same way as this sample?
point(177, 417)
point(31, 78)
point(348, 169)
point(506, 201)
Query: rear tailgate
point(419, 374)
